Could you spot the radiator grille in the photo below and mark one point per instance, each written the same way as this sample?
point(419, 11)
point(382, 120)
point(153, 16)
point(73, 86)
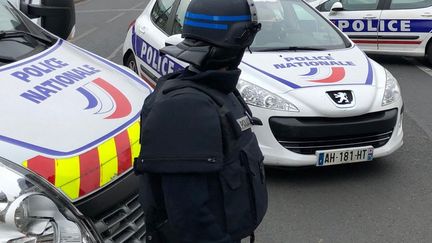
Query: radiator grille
point(310, 147)
point(306, 135)
point(124, 223)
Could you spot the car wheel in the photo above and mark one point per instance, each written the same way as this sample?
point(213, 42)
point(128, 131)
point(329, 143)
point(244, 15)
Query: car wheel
point(131, 63)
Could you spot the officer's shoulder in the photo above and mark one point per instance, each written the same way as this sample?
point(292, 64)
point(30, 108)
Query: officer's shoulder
point(186, 97)
point(169, 76)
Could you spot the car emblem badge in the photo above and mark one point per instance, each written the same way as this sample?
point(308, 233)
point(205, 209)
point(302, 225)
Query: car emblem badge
point(342, 98)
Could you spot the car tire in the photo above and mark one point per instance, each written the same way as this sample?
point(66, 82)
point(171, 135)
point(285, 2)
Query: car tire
point(131, 63)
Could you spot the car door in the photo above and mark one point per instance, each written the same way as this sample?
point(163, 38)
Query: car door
point(407, 26)
point(358, 19)
point(152, 28)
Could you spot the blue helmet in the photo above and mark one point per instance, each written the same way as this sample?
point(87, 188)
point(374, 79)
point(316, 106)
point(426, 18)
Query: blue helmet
point(222, 23)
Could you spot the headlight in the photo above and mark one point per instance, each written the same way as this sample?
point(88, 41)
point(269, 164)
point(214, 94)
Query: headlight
point(257, 96)
point(392, 90)
point(31, 211)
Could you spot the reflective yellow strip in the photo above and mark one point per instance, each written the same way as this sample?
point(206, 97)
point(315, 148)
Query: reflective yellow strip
point(67, 171)
point(108, 160)
point(134, 134)
point(67, 174)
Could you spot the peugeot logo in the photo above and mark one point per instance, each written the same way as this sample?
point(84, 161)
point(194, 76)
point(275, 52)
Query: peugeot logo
point(342, 98)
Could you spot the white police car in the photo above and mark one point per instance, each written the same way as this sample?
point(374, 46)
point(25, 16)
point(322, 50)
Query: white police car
point(397, 27)
point(321, 99)
point(69, 130)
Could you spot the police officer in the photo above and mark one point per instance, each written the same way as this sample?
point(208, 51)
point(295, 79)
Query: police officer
point(200, 167)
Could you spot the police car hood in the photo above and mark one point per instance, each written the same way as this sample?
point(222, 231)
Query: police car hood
point(70, 116)
point(282, 72)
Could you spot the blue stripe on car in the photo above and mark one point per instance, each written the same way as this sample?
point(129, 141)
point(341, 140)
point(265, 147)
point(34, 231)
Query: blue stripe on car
point(286, 82)
point(384, 25)
point(312, 72)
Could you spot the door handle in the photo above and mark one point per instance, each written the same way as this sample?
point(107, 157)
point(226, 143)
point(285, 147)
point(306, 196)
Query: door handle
point(427, 15)
point(369, 17)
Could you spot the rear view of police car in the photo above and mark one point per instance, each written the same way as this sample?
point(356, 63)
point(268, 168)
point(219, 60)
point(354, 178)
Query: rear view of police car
point(321, 99)
point(397, 27)
point(69, 131)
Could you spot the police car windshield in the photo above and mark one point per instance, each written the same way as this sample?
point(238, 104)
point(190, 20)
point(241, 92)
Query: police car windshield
point(292, 25)
point(19, 37)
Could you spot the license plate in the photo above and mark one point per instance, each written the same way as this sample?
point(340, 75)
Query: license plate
point(344, 156)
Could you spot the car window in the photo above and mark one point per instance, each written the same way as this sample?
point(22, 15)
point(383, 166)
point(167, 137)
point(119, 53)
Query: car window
point(161, 12)
point(179, 17)
point(327, 5)
point(352, 5)
point(292, 23)
point(410, 4)
point(302, 14)
point(19, 47)
point(8, 20)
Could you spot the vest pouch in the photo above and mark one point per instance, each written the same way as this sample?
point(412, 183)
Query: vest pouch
point(254, 158)
point(237, 200)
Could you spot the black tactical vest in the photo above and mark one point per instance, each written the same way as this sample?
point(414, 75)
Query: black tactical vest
point(221, 141)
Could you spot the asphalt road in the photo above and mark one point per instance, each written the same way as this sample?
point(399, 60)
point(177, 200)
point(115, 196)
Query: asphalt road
point(387, 200)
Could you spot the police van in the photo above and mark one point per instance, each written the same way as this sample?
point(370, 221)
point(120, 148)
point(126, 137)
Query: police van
point(69, 129)
point(321, 99)
point(396, 27)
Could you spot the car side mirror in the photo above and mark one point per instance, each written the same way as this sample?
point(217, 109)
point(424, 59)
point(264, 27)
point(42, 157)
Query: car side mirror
point(173, 40)
point(337, 6)
point(57, 16)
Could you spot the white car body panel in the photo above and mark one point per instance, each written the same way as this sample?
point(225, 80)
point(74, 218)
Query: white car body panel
point(301, 77)
point(416, 25)
point(60, 117)
point(406, 32)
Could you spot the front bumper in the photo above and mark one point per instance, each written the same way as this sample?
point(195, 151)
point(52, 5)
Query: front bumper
point(292, 141)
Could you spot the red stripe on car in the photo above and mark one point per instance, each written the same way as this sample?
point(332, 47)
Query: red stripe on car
point(338, 73)
point(396, 42)
point(89, 171)
point(43, 166)
point(124, 153)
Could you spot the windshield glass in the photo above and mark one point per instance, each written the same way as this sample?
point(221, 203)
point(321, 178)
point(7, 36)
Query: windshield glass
point(292, 24)
point(19, 37)
point(9, 20)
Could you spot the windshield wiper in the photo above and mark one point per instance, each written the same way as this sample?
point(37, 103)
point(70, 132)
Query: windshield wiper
point(5, 59)
point(289, 48)
point(18, 33)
